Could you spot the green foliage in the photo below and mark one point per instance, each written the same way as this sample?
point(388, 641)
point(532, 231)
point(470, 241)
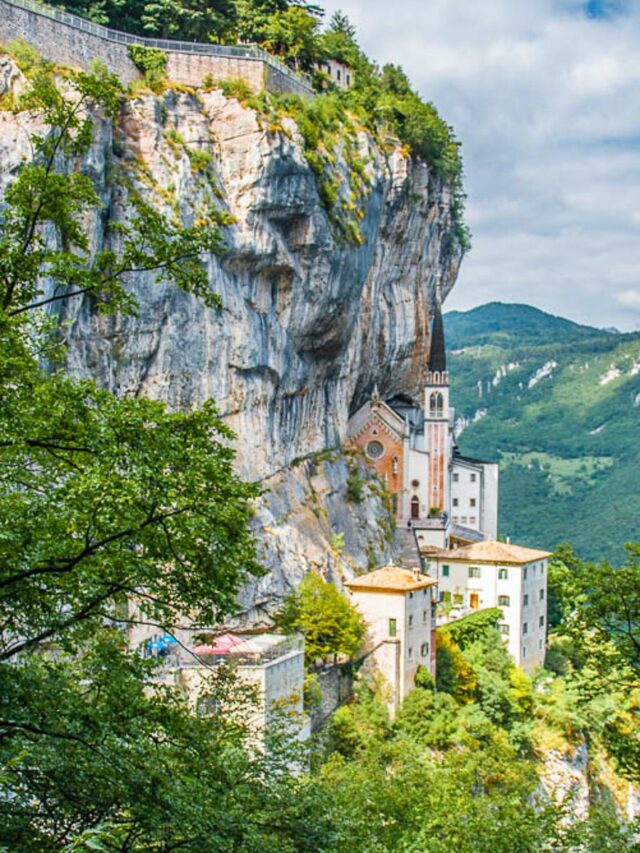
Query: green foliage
point(236, 87)
point(424, 680)
point(471, 628)
point(330, 624)
point(150, 60)
point(355, 486)
point(113, 512)
point(566, 443)
point(453, 673)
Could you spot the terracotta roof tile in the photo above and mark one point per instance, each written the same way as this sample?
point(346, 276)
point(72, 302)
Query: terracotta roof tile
point(489, 551)
point(392, 579)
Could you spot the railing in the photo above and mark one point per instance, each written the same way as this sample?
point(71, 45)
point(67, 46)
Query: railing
point(183, 658)
point(249, 51)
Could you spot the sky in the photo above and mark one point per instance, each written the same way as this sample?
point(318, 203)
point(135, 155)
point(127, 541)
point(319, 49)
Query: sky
point(545, 97)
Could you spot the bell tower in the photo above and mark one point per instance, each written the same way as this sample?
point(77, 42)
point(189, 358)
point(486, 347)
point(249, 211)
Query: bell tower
point(436, 412)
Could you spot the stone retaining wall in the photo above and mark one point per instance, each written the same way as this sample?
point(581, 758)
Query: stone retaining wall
point(68, 40)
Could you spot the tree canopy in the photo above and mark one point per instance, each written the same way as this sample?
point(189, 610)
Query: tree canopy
point(330, 624)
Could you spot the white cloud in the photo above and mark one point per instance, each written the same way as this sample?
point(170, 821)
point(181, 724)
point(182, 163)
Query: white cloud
point(546, 102)
point(630, 299)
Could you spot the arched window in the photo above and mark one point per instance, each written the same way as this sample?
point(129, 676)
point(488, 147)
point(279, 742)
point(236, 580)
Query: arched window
point(436, 405)
point(415, 507)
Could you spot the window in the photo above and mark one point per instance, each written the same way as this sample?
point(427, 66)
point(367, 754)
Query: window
point(424, 650)
point(524, 651)
point(436, 405)
point(433, 610)
point(445, 571)
point(473, 478)
point(455, 501)
point(410, 652)
point(472, 502)
point(464, 519)
point(410, 621)
point(504, 601)
point(393, 627)
point(458, 598)
point(504, 630)
point(472, 519)
point(539, 644)
point(456, 477)
point(446, 597)
point(394, 503)
point(503, 574)
point(425, 592)
point(525, 601)
point(425, 615)
point(410, 596)
point(474, 571)
point(525, 628)
point(375, 449)
point(541, 568)
point(541, 621)
point(541, 595)
point(348, 79)
point(455, 519)
point(525, 572)
point(338, 73)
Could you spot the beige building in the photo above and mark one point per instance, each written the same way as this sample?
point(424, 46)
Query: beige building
point(273, 664)
point(496, 574)
point(398, 606)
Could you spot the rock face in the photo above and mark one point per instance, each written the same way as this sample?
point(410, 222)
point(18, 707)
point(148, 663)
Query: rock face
point(309, 323)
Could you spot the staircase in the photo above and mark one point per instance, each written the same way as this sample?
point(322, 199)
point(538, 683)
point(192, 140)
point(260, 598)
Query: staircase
point(406, 548)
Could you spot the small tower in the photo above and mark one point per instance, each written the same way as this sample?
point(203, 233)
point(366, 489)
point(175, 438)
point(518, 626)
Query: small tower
point(436, 411)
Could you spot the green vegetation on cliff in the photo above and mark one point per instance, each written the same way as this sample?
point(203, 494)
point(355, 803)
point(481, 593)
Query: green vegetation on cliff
point(558, 405)
point(380, 101)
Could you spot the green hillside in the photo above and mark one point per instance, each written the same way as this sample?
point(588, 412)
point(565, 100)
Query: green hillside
point(558, 404)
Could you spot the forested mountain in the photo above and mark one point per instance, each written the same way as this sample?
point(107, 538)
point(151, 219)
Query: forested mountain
point(558, 404)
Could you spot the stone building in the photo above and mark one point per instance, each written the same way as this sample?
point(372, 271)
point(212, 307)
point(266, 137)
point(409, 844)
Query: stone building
point(398, 606)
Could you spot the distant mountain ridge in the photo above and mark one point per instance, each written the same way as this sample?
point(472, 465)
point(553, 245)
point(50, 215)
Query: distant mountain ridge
point(558, 404)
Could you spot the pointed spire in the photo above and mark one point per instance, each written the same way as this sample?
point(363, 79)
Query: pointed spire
point(376, 394)
point(437, 353)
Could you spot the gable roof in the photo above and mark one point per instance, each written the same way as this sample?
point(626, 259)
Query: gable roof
point(489, 551)
point(391, 579)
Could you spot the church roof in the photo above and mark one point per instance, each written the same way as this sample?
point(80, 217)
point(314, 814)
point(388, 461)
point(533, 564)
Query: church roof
point(489, 551)
point(391, 579)
point(437, 353)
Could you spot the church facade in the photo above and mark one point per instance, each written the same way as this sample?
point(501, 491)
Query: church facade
point(447, 498)
point(446, 508)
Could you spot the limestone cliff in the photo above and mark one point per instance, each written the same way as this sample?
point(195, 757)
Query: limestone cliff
point(309, 323)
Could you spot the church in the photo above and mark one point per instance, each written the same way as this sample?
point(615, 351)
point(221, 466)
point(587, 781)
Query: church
point(450, 500)
point(446, 508)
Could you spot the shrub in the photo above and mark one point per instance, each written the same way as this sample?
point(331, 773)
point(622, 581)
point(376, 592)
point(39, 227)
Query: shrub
point(151, 61)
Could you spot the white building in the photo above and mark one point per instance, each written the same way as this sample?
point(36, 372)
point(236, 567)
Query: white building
point(496, 574)
point(338, 72)
point(452, 499)
point(397, 605)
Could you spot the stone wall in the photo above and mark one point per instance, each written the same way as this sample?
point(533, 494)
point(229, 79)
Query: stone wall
point(336, 683)
point(69, 40)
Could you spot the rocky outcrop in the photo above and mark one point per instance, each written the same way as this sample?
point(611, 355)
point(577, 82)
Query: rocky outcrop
point(308, 324)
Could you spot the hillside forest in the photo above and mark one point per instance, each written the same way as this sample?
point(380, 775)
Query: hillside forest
point(558, 405)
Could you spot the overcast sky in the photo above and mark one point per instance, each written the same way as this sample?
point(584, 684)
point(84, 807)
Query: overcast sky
point(545, 98)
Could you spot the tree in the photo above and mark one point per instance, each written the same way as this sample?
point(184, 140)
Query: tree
point(191, 20)
point(105, 500)
point(330, 624)
point(293, 35)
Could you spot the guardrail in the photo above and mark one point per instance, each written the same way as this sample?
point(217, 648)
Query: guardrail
point(249, 51)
